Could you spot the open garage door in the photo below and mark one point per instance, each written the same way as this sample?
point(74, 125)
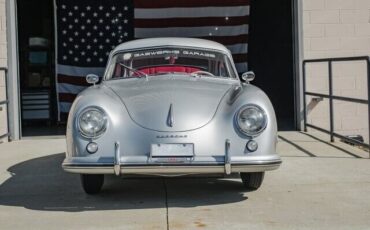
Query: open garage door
point(270, 55)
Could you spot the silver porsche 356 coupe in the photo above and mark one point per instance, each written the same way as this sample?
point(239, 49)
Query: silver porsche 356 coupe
point(171, 107)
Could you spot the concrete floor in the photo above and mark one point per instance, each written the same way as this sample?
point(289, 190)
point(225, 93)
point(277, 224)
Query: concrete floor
point(319, 186)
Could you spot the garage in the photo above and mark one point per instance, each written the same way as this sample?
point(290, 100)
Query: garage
point(268, 51)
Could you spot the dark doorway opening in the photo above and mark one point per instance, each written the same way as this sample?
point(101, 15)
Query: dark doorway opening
point(37, 67)
point(271, 53)
point(270, 57)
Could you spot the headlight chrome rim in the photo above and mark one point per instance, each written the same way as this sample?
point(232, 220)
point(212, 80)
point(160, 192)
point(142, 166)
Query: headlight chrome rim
point(247, 133)
point(100, 132)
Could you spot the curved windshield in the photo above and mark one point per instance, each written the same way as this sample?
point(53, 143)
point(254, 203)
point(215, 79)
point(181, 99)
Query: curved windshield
point(162, 61)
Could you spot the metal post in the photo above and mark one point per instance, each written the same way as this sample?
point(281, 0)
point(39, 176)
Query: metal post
point(332, 97)
point(7, 98)
point(368, 95)
point(331, 114)
point(5, 102)
point(304, 98)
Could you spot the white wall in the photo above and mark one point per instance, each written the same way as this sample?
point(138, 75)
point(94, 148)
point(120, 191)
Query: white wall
point(338, 28)
point(3, 63)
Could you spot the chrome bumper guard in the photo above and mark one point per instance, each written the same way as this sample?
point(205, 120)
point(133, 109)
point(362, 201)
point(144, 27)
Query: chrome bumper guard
point(227, 158)
point(166, 169)
point(117, 159)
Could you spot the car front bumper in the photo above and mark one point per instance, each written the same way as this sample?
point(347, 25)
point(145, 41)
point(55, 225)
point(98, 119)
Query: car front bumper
point(168, 170)
point(148, 165)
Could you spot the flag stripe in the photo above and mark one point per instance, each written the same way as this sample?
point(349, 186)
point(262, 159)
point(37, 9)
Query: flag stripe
point(194, 12)
point(241, 67)
point(70, 88)
point(191, 32)
point(74, 80)
point(239, 58)
point(189, 22)
point(79, 71)
point(188, 3)
point(65, 106)
point(228, 40)
point(67, 97)
point(238, 48)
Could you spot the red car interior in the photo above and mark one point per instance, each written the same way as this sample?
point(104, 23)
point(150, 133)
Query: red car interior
point(169, 69)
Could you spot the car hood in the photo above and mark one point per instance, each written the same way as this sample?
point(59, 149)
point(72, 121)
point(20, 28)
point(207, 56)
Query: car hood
point(170, 103)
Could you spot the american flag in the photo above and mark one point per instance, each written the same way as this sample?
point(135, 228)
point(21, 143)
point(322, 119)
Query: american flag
point(87, 30)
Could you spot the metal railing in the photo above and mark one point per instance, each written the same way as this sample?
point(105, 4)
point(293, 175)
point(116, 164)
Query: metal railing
point(5, 102)
point(332, 97)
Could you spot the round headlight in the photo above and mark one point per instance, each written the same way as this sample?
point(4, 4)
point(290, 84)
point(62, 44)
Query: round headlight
point(251, 120)
point(92, 122)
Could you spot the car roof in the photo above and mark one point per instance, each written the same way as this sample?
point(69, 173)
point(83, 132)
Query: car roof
point(171, 41)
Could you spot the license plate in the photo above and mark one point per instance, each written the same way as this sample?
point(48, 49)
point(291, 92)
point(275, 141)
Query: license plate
point(172, 150)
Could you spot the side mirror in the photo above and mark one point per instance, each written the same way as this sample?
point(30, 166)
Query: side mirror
point(248, 76)
point(92, 79)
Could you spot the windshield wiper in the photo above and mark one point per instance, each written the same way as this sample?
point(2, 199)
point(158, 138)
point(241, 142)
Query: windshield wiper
point(135, 71)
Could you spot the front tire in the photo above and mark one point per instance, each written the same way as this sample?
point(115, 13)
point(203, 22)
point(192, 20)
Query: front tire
point(92, 183)
point(252, 181)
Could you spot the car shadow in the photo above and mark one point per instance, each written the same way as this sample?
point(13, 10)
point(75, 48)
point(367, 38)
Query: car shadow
point(41, 184)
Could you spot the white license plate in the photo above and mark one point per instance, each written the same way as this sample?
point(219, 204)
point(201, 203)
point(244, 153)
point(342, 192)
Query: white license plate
point(172, 150)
